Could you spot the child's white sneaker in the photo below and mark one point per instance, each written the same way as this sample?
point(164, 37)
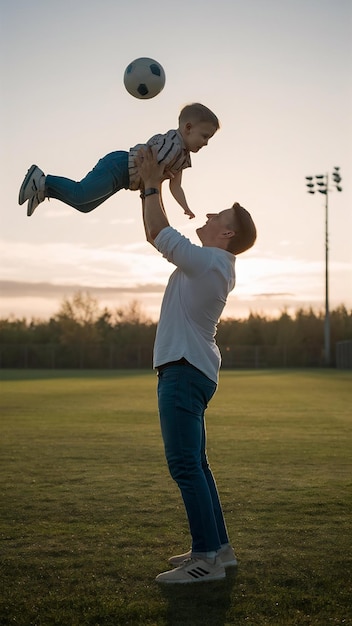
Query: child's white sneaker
point(33, 202)
point(33, 186)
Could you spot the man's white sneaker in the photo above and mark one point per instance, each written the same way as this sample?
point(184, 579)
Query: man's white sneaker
point(34, 183)
point(194, 571)
point(226, 555)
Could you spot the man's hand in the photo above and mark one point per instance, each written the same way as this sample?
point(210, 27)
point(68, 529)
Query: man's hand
point(151, 172)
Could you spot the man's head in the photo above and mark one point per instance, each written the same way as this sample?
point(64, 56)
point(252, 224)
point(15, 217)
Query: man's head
point(197, 124)
point(232, 230)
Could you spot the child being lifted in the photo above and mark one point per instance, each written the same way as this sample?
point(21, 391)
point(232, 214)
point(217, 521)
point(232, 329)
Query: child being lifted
point(117, 170)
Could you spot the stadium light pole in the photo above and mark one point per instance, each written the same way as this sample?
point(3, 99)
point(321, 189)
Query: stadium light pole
point(320, 183)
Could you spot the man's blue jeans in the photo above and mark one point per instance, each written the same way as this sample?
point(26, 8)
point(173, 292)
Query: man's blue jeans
point(183, 396)
point(108, 176)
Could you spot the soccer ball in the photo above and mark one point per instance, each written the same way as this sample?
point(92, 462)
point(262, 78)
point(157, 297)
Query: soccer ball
point(144, 78)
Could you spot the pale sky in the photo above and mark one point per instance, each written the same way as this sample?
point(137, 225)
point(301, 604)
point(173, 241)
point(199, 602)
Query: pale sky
point(278, 75)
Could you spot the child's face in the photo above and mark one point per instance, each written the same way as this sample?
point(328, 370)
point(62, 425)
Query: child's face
point(196, 136)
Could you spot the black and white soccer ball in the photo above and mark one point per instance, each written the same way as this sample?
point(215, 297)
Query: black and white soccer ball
point(144, 78)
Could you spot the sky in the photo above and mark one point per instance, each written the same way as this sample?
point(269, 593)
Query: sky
point(277, 73)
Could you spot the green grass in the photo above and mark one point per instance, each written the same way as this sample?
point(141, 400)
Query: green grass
point(90, 514)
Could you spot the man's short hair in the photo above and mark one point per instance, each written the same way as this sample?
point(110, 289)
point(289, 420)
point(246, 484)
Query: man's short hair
point(245, 230)
point(197, 112)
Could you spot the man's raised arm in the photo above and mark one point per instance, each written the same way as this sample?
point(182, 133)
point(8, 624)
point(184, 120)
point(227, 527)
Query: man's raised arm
point(154, 216)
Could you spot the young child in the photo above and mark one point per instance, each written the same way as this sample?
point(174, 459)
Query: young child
point(117, 170)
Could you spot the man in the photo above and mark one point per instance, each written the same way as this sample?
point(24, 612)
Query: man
point(188, 362)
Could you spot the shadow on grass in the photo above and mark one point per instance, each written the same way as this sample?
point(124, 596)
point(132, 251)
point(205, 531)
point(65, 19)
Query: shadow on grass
point(206, 604)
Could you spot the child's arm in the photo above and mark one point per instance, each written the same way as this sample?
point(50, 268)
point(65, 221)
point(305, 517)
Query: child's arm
point(178, 193)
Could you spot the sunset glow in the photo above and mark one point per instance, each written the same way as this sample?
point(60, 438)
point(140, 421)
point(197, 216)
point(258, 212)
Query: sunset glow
point(277, 74)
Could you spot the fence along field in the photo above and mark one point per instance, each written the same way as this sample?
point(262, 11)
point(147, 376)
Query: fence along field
point(111, 356)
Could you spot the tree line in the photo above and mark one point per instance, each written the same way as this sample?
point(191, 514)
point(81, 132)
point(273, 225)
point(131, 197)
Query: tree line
point(81, 334)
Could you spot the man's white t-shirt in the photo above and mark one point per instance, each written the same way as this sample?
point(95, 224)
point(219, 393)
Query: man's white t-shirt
point(194, 299)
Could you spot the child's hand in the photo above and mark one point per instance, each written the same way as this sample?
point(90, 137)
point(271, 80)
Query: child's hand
point(189, 213)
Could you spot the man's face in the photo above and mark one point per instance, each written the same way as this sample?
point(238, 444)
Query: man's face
point(196, 136)
point(216, 225)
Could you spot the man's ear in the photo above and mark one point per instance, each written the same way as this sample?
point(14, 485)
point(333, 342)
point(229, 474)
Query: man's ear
point(228, 234)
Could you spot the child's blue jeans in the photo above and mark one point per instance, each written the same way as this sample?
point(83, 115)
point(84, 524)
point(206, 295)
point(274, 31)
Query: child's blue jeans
point(108, 176)
point(183, 396)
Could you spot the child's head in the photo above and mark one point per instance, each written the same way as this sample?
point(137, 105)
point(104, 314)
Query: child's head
point(197, 124)
point(197, 112)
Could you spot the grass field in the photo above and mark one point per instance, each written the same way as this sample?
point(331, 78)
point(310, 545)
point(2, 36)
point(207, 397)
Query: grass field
point(90, 514)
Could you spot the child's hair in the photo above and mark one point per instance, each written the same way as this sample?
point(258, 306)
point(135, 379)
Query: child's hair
point(197, 112)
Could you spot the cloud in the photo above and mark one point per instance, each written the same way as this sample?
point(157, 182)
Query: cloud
point(18, 289)
point(35, 278)
point(65, 263)
point(278, 294)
